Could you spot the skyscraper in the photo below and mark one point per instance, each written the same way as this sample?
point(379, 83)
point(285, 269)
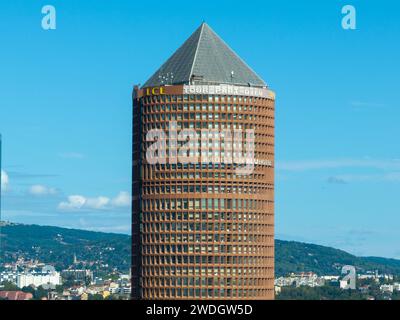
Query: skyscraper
point(203, 177)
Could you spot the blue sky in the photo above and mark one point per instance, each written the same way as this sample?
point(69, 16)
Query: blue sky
point(65, 104)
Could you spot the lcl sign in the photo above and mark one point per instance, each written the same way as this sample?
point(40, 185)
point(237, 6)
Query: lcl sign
point(155, 91)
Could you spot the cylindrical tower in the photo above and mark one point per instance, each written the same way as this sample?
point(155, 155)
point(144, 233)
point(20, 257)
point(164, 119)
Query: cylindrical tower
point(204, 228)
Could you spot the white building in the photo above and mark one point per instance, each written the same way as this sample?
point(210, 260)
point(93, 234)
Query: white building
point(125, 290)
point(366, 276)
point(302, 279)
point(331, 278)
point(48, 276)
point(78, 274)
point(113, 288)
point(9, 276)
point(387, 288)
point(278, 289)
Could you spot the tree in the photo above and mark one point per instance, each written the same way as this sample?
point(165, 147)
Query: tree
point(95, 297)
point(59, 289)
point(40, 293)
point(326, 292)
point(29, 289)
point(9, 286)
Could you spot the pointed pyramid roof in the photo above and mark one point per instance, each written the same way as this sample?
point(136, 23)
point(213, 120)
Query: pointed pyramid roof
point(205, 58)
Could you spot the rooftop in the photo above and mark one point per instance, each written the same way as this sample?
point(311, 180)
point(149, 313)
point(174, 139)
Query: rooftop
point(205, 58)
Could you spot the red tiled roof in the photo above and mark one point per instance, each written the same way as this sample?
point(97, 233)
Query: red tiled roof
point(15, 295)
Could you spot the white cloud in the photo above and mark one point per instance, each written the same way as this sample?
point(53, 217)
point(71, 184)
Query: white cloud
point(79, 202)
point(97, 203)
point(4, 180)
point(123, 199)
point(74, 203)
point(40, 190)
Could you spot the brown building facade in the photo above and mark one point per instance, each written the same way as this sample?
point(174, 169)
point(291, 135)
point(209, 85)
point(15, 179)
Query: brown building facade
point(203, 228)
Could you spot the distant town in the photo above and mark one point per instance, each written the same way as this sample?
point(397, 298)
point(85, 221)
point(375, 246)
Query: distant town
point(52, 263)
point(49, 263)
point(369, 286)
point(34, 280)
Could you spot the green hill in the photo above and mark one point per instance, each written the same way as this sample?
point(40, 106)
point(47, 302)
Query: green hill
point(292, 256)
point(57, 246)
point(107, 251)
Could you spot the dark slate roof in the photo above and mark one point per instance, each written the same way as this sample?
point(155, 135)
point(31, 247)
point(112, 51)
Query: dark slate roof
point(205, 58)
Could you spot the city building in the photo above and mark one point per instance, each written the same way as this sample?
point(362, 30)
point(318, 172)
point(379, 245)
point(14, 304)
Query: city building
point(387, 288)
point(308, 279)
point(8, 276)
point(203, 177)
point(77, 275)
point(47, 277)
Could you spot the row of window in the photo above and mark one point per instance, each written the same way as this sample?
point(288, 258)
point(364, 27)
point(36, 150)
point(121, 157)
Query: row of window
point(221, 249)
point(204, 204)
point(215, 124)
point(196, 216)
point(178, 189)
point(206, 144)
point(258, 126)
point(220, 271)
point(214, 260)
point(203, 282)
point(156, 117)
point(205, 159)
point(203, 175)
point(196, 145)
point(205, 226)
point(205, 293)
point(199, 97)
point(191, 166)
point(203, 238)
point(263, 130)
point(203, 156)
point(216, 106)
point(215, 172)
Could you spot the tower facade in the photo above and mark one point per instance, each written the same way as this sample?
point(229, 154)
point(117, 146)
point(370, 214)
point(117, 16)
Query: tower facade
point(203, 177)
